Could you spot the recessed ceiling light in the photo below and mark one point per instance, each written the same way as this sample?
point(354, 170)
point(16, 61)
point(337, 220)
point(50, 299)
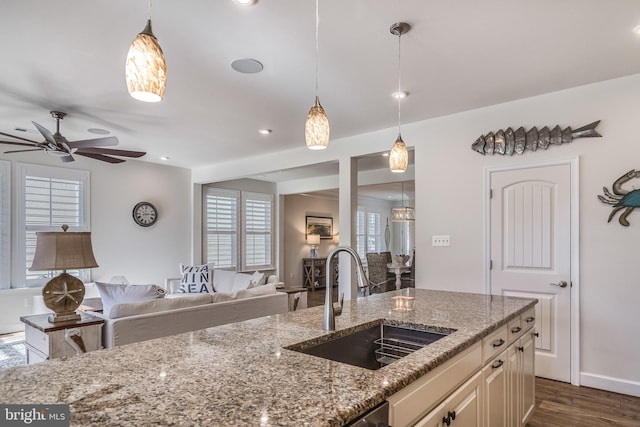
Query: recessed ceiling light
point(637, 29)
point(98, 131)
point(385, 154)
point(400, 95)
point(245, 2)
point(264, 131)
point(247, 66)
point(164, 158)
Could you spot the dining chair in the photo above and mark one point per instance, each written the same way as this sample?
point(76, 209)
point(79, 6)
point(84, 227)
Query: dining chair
point(378, 274)
point(408, 279)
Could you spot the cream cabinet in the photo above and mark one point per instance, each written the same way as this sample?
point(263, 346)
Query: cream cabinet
point(490, 384)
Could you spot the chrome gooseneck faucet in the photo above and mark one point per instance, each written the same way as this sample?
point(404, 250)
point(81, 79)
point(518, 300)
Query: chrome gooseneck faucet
point(330, 312)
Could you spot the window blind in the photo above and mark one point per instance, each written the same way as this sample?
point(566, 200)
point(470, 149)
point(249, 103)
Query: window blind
point(258, 230)
point(221, 210)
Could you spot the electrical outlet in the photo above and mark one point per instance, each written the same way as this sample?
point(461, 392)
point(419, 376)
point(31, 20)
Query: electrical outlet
point(443, 240)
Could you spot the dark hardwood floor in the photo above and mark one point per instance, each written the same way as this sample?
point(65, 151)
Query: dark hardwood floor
point(559, 404)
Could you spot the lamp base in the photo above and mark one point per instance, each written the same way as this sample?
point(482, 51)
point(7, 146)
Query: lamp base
point(63, 317)
point(63, 294)
point(313, 253)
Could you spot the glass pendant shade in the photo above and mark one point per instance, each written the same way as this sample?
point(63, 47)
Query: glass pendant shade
point(403, 214)
point(316, 128)
point(399, 156)
point(146, 70)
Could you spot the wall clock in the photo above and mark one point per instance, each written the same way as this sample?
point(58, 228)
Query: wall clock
point(145, 214)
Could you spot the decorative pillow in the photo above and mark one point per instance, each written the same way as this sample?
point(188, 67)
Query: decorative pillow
point(257, 279)
point(196, 279)
point(157, 305)
point(241, 281)
point(223, 280)
point(112, 294)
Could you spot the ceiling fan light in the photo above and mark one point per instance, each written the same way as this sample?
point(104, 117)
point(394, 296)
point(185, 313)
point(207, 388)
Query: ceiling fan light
point(399, 156)
point(316, 128)
point(145, 68)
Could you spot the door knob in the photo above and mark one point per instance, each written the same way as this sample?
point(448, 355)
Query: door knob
point(562, 284)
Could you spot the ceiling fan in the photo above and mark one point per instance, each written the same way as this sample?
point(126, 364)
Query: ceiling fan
point(58, 145)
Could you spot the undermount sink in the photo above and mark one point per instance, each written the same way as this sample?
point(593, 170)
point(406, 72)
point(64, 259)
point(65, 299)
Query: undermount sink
point(374, 345)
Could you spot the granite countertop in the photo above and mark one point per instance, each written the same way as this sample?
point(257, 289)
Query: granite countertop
point(241, 374)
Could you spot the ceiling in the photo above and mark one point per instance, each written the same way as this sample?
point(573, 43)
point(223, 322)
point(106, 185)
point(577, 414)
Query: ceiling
point(69, 55)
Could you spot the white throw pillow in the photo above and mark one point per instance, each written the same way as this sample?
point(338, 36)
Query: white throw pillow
point(223, 280)
point(241, 281)
point(257, 279)
point(157, 305)
point(112, 294)
point(196, 279)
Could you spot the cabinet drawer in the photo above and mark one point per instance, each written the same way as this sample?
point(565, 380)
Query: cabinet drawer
point(528, 318)
point(494, 343)
point(419, 397)
point(37, 339)
point(515, 329)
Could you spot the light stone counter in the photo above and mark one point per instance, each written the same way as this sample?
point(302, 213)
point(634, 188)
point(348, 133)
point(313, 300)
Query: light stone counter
point(241, 375)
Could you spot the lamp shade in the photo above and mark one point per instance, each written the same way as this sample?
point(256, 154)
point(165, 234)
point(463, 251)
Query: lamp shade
point(63, 251)
point(146, 70)
point(316, 128)
point(403, 214)
point(399, 156)
point(313, 239)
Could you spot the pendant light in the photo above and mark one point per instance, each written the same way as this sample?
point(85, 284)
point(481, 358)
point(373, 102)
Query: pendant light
point(399, 157)
point(404, 213)
point(316, 128)
point(146, 71)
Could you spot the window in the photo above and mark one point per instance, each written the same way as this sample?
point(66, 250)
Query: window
point(47, 198)
point(258, 231)
point(5, 224)
point(369, 232)
point(221, 216)
point(231, 243)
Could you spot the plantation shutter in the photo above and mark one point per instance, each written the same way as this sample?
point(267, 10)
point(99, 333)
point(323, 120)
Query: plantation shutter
point(221, 245)
point(258, 231)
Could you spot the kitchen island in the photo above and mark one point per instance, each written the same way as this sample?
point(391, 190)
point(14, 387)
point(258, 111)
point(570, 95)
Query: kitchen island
point(242, 374)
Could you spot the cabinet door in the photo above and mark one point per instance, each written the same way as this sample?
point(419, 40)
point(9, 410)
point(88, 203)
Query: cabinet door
point(527, 365)
point(433, 418)
point(495, 379)
point(464, 406)
point(514, 389)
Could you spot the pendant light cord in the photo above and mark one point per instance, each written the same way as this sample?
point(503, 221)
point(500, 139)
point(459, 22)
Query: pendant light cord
point(149, 10)
point(317, 45)
point(399, 79)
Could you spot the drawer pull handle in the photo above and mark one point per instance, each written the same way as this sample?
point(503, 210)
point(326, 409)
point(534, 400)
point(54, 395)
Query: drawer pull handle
point(530, 319)
point(452, 414)
point(446, 420)
point(497, 364)
point(521, 349)
point(516, 329)
point(498, 343)
point(536, 334)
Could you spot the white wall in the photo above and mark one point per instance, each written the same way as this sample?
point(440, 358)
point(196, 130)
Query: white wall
point(143, 255)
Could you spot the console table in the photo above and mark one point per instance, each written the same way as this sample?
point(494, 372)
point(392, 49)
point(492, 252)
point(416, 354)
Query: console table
point(45, 340)
point(314, 272)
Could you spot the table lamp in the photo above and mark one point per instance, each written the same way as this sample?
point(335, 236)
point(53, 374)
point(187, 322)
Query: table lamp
point(314, 241)
point(63, 251)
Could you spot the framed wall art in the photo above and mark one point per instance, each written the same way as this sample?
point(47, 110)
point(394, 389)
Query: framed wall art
point(319, 225)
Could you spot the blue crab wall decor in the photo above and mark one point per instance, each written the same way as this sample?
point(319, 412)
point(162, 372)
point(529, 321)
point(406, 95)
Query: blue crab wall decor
point(622, 198)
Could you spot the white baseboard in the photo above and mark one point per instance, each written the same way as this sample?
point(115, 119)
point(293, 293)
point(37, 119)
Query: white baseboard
point(617, 385)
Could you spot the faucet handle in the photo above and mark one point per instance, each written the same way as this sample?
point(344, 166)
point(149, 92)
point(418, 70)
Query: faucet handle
point(338, 310)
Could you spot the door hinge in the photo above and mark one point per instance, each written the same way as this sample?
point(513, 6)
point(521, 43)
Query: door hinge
point(490, 193)
point(490, 264)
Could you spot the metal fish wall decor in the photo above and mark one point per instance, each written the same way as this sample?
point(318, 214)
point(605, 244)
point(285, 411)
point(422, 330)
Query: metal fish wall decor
point(507, 142)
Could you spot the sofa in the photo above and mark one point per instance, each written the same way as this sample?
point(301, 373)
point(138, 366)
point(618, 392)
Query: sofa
point(176, 312)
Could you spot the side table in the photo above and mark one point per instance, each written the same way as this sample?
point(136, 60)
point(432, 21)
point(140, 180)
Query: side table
point(291, 292)
point(45, 340)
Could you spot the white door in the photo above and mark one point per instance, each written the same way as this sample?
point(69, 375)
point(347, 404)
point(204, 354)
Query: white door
point(530, 220)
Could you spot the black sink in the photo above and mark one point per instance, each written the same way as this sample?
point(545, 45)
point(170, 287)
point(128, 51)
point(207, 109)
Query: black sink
point(372, 347)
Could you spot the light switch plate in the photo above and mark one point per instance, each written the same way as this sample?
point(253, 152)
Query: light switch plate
point(443, 240)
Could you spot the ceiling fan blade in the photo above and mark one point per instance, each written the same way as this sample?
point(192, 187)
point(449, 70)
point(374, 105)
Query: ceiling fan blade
point(45, 132)
point(18, 143)
point(112, 152)
point(97, 142)
point(17, 137)
point(66, 159)
point(99, 157)
point(22, 151)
